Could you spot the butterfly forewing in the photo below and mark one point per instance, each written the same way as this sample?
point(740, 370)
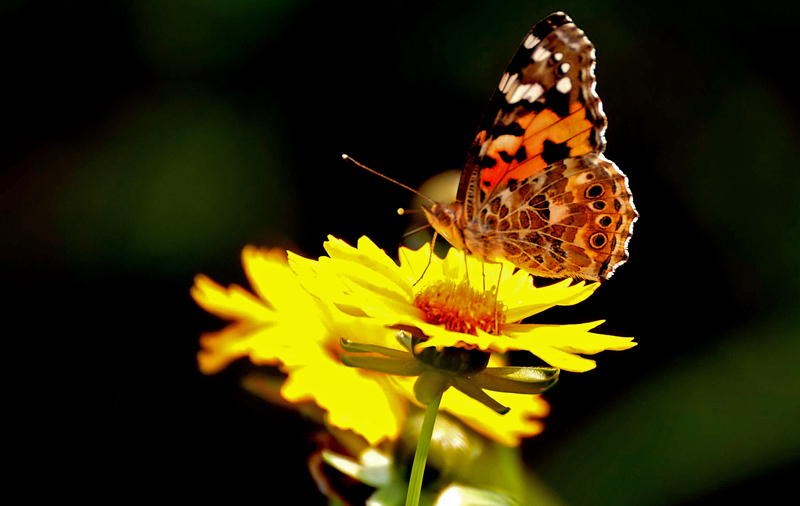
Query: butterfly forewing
point(544, 109)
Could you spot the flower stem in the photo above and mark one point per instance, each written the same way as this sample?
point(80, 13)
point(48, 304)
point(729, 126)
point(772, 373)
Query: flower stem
point(421, 455)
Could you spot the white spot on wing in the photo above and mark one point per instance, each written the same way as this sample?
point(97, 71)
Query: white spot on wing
point(540, 54)
point(557, 57)
point(564, 85)
point(565, 67)
point(518, 92)
point(503, 81)
point(507, 82)
point(532, 95)
point(530, 41)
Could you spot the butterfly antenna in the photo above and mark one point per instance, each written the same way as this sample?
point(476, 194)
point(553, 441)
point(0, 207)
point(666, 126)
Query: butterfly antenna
point(412, 190)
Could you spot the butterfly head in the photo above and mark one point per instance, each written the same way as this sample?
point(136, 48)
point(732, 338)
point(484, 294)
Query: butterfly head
point(447, 221)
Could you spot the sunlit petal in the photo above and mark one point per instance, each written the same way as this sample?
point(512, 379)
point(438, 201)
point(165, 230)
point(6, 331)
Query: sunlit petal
point(230, 303)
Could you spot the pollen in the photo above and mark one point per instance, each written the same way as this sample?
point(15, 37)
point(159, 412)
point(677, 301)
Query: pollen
point(461, 308)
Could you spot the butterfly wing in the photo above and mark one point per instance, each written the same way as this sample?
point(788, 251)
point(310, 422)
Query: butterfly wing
point(525, 188)
point(572, 219)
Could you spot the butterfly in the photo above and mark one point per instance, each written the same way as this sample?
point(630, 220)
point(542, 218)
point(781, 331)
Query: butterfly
point(536, 189)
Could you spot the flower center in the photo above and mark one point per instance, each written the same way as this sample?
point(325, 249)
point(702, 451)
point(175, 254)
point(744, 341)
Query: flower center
point(460, 308)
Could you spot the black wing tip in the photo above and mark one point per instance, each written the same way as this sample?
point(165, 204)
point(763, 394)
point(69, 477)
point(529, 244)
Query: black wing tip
point(549, 24)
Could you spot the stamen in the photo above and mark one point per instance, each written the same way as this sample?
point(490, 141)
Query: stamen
point(460, 308)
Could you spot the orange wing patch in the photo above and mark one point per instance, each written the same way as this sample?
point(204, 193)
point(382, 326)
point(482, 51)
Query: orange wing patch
point(517, 157)
point(544, 110)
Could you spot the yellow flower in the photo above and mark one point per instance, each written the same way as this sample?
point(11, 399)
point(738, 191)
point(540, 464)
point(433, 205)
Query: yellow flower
point(301, 319)
point(281, 324)
point(455, 302)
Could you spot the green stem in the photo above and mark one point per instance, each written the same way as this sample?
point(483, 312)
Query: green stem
point(421, 456)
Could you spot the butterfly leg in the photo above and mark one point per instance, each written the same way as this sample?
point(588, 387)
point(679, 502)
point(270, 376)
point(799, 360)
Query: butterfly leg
point(496, 295)
point(466, 267)
point(496, 290)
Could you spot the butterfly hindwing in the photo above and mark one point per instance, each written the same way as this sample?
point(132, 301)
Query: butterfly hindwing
point(573, 218)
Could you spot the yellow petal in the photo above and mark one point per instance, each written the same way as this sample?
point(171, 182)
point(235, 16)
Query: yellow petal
point(271, 278)
point(561, 359)
point(363, 281)
point(509, 429)
point(317, 281)
point(232, 303)
point(354, 399)
point(219, 349)
point(527, 301)
point(571, 338)
point(558, 345)
point(374, 259)
point(414, 262)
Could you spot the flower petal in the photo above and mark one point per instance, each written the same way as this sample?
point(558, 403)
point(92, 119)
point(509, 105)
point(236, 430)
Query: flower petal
point(571, 338)
point(397, 366)
point(555, 344)
point(220, 349)
point(518, 380)
point(373, 258)
point(232, 303)
point(508, 429)
point(525, 301)
point(354, 399)
point(470, 389)
point(413, 263)
point(356, 347)
point(269, 274)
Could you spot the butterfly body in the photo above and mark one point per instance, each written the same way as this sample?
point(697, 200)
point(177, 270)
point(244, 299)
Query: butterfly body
point(536, 189)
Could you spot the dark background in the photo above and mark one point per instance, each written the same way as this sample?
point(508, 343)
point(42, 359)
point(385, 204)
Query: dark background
point(148, 141)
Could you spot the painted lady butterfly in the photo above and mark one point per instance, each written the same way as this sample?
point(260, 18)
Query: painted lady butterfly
point(536, 189)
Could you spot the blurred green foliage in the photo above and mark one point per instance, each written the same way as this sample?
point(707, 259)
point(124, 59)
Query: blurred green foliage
point(207, 36)
point(169, 179)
